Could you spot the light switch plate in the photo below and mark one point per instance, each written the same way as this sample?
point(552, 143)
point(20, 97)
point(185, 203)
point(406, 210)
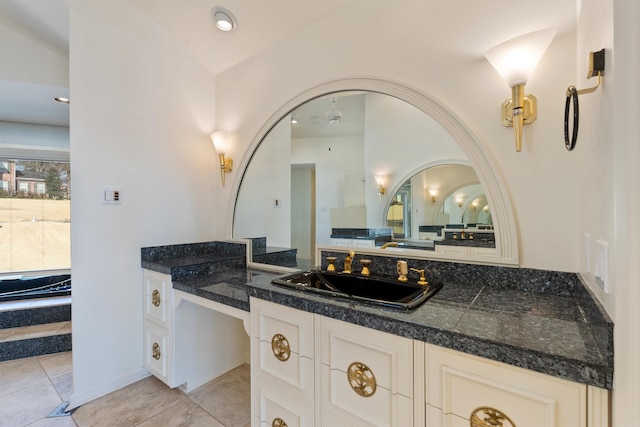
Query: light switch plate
point(111, 196)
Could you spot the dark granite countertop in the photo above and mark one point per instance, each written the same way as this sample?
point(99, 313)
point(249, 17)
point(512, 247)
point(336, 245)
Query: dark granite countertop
point(539, 320)
point(556, 335)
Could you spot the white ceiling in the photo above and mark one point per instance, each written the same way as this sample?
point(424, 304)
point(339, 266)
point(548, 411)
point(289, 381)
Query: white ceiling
point(468, 26)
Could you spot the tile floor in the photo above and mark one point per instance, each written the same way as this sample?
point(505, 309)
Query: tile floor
point(30, 389)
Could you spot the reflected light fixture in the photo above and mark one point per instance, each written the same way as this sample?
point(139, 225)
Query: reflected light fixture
point(220, 141)
point(333, 116)
point(433, 194)
point(475, 205)
point(224, 20)
point(515, 61)
point(381, 181)
point(459, 201)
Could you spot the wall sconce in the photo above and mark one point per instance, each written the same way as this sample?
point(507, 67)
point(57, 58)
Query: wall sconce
point(475, 205)
point(515, 61)
point(381, 181)
point(433, 194)
point(220, 141)
point(459, 201)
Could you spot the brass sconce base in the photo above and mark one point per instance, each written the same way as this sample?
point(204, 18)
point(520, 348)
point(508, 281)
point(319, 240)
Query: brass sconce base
point(530, 110)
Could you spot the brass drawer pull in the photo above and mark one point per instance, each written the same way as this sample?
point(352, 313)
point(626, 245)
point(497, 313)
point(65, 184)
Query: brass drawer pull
point(278, 422)
point(156, 351)
point(155, 298)
point(361, 379)
point(489, 417)
point(280, 347)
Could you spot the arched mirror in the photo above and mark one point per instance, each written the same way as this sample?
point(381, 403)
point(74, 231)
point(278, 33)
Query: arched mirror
point(312, 182)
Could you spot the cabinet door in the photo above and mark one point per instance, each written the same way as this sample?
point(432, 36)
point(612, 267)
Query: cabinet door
point(345, 243)
point(276, 409)
point(451, 250)
point(483, 252)
point(367, 375)
point(157, 293)
point(157, 352)
point(463, 387)
point(283, 347)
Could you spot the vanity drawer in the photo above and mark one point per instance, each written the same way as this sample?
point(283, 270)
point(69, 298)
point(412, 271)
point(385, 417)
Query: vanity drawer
point(157, 292)
point(278, 409)
point(452, 250)
point(293, 374)
point(389, 357)
point(291, 328)
point(383, 408)
point(367, 375)
point(459, 385)
point(157, 356)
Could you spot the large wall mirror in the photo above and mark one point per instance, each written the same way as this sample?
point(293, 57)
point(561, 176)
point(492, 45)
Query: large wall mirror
point(314, 172)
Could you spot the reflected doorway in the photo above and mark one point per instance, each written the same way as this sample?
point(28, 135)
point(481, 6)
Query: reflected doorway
point(303, 220)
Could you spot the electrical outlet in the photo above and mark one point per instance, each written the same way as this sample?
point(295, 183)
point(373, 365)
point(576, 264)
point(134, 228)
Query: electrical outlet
point(602, 265)
point(111, 196)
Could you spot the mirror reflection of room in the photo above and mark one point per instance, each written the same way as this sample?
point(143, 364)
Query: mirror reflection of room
point(314, 174)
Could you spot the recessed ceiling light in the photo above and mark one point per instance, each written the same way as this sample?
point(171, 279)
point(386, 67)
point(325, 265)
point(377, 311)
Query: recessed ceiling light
point(61, 100)
point(224, 20)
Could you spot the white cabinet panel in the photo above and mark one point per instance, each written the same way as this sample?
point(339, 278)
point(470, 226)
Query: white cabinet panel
point(276, 410)
point(458, 384)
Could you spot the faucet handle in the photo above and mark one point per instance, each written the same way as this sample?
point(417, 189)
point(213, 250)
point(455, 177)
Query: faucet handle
point(422, 280)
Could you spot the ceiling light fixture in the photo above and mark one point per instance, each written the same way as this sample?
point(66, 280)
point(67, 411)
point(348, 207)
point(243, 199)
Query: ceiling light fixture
point(333, 116)
point(62, 100)
point(224, 20)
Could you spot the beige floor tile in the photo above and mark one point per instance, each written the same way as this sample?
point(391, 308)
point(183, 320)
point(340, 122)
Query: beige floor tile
point(57, 364)
point(28, 405)
point(129, 405)
point(63, 385)
point(55, 422)
point(184, 413)
point(20, 374)
point(227, 398)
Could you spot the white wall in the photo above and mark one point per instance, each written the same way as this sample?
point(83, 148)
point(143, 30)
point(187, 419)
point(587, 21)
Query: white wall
point(543, 174)
point(140, 118)
point(608, 151)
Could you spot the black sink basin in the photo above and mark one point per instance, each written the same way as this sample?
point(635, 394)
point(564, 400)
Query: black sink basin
point(377, 290)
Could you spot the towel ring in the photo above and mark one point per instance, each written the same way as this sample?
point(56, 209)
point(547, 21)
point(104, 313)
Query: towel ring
point(596, 69)
point(572, 94)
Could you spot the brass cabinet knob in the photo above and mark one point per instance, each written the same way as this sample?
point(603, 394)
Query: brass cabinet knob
point(155, 298)
point(361, 379)
point(485, 416)
point(280, 347)
point(156, 351)
point(278, 422)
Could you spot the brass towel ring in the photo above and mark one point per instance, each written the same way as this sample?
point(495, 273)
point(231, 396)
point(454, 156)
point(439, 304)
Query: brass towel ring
point(572, 94)
point(596, 69)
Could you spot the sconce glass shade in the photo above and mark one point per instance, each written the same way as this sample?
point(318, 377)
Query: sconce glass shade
point(516, 59)
point(220, 139)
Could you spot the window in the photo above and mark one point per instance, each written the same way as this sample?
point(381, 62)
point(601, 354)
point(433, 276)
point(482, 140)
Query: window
point(35, 216)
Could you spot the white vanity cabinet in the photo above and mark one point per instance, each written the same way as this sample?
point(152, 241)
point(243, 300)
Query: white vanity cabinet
point(464, 390)
point(311, 370)
point(282, 365)
point(186, 344)
point(367, 376)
